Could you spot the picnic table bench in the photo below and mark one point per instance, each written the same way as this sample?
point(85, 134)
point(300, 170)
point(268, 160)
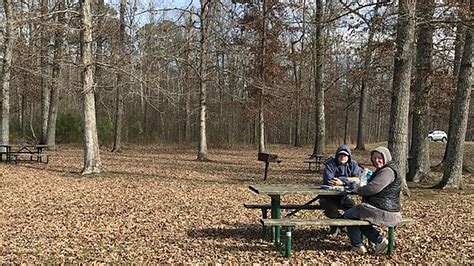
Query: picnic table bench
point(293, 207)
point(288, 225)
point(268, 158)
point(315, 159)
point(16, 153)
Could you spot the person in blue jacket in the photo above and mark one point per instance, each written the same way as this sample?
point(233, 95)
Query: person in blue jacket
point(339, 171)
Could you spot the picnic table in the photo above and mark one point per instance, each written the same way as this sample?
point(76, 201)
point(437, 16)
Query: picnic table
point(315, 159)
point(276, 191)
point(16, 153)
point(276, 222)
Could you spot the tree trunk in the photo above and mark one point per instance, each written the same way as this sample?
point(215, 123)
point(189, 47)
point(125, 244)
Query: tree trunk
point(119, 94)
point(92, 162)
point(364, 90)
point(458, 50)
point(206, 12)
point(189, 84)
point(398, 129)
point(297, 80)
point(7, 63)
point(320, 136)
point(99, 54)
point(56, 77)
point(46, 93)
point(261, 97)
point(419, 165)
point(452, 176)
point(23, 115)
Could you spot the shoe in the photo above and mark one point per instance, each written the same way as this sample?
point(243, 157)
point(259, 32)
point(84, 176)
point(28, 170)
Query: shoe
point(359, 250)
point(381, 247)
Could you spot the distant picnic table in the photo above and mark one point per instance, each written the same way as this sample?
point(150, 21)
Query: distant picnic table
point(23, 152)
point(315, 159)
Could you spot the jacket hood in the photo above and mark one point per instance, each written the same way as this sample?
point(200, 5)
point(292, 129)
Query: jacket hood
point(345, 148)
point(387, 156)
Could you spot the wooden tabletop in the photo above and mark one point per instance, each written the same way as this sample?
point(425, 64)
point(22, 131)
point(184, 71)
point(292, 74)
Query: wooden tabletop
point(289, 189)
point(41, 146)
point(25, 145)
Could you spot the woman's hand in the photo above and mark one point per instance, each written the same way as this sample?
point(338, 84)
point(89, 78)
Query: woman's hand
point(336, 182)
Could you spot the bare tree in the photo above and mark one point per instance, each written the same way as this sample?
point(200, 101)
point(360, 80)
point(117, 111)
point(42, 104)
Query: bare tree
point(99, 55)
point(458, 51)
point(364, 89)
point(452, 176)
point(420, 164)
point(297, 84)
point(6, 71)
point(261, 92)
point(207, 8)
point(119, 94)
point(188, 72)
point(56, 77)
point(317, 50)
point(398, 130)
point(45, 93)
point(92, 163)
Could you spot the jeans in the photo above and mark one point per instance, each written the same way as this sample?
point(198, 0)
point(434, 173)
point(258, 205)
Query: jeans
point(355, 232)
point(331, 204)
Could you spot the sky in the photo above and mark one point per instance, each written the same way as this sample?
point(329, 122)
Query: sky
point(158, 5)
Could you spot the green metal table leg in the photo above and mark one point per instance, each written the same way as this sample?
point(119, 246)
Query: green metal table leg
point(276, 215)
point(391, 240)
point(288, 241)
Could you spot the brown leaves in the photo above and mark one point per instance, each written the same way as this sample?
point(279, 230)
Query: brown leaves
point(157, 204)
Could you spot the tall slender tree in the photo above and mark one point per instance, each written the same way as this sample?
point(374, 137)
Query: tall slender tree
point(6, 71)
point(119, 83)
point(92, 163)
point(207, 8)
point(419, 166)
point(317, 51)
point(188, 73)
point(44, 65)
point(364, 89)
point(458, 51)
point(398, 129)
point(262, 77)
point(56, 76)
point(99, 55)
point(452, 175)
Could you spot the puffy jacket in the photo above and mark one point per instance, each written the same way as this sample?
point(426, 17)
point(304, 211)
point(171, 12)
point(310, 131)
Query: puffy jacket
point(342, 171)
point(389, 198)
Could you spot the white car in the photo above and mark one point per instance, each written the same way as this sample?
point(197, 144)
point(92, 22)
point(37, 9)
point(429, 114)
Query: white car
point(437, 135)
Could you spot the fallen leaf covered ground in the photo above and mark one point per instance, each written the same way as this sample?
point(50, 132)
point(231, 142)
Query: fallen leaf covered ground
point(156, 204)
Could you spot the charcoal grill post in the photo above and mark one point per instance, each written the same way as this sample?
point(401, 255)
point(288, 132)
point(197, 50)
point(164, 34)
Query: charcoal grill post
point(267, 159)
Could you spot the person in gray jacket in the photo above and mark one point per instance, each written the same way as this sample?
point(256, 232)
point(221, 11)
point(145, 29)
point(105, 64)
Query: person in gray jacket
point(380, 203)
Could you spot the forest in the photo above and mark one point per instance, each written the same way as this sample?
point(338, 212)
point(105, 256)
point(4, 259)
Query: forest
point(229, 72)
point(141, 103)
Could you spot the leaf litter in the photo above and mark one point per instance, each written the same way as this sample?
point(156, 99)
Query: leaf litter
point(157, 204)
